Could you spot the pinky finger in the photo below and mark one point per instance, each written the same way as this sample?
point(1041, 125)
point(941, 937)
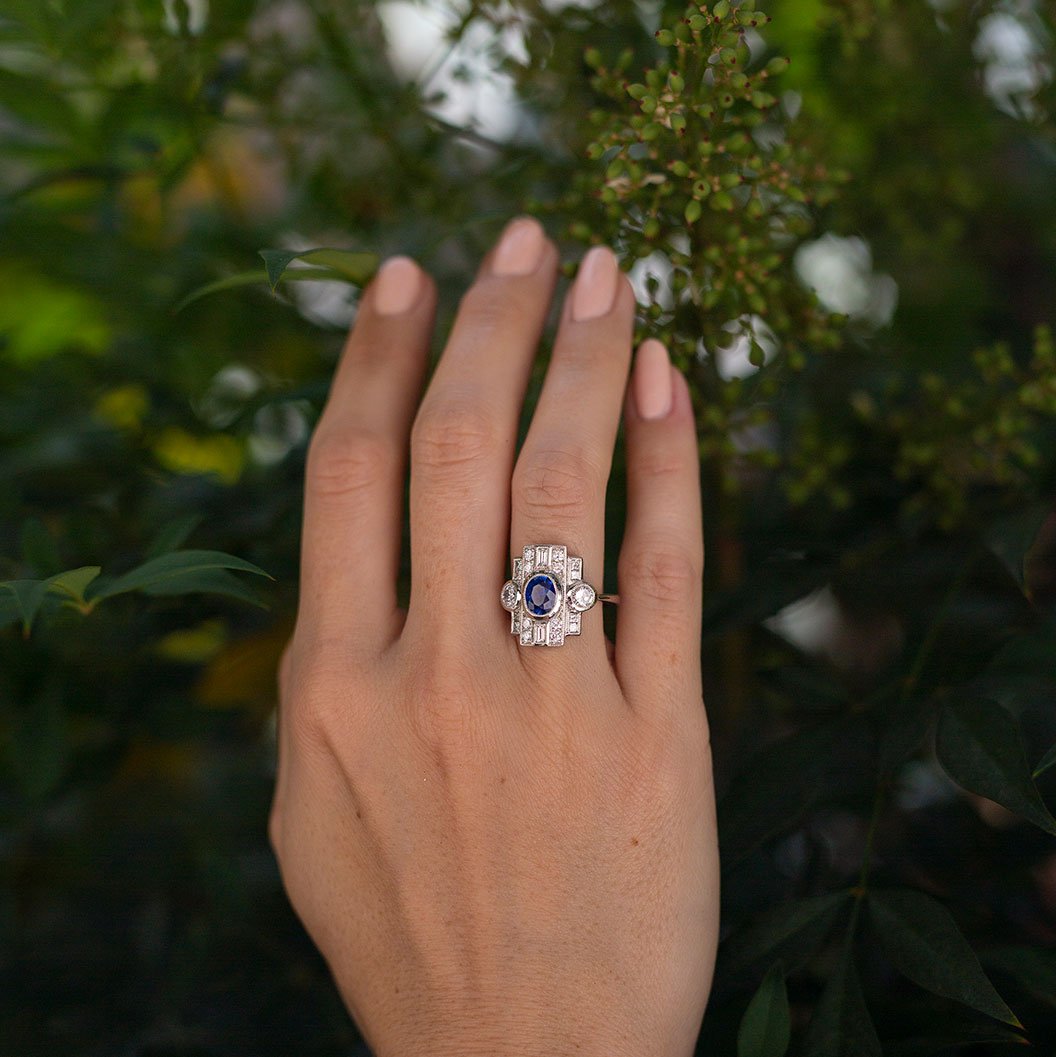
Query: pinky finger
point(661, 562)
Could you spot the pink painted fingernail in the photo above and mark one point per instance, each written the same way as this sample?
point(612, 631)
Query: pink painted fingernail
point(397, 286)
point(520, 249)
point(652, 380)
point(594, 290)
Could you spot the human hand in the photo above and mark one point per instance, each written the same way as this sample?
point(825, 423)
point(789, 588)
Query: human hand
point(499, 849)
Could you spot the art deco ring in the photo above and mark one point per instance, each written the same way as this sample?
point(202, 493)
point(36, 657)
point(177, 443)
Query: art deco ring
point(547, 595)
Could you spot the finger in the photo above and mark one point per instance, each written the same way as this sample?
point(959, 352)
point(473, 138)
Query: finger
point(350, 549)
point(563, 467)
point(661, 561)
point(464, 436)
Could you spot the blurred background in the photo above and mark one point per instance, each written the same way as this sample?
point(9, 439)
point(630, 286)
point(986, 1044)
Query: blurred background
point(853, 255)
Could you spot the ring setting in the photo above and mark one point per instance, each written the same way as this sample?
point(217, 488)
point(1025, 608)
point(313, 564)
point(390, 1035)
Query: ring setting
point(547, 595)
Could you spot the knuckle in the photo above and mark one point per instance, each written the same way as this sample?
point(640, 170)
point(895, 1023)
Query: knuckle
point(557, 483)
point(449, 439)
point(662, 463)
point(662, 574)
point(348, 462)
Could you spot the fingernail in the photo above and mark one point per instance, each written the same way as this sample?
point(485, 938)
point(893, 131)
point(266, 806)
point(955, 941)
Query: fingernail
point(594, 290)
point(396, 286)
point(520, 249)
point(652, 380)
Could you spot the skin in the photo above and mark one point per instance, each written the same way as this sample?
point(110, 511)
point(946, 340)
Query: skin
point(499, 850)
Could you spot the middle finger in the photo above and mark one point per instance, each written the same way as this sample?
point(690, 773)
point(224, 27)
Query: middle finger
point(465, 434)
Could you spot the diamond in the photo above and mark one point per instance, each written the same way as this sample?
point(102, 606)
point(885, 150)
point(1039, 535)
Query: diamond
point(509, 595)
point(573, 623)
point(517, 563)
point(581, 596)
point(529, 557)
point(526, 634)
point(542, 557)
point(575, 568)
point(555, 632)
point(539, 634)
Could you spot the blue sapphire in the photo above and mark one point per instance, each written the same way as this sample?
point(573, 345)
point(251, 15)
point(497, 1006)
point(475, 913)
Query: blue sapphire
point(540, 595)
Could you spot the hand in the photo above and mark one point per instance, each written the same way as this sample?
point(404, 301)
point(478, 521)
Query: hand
point(499, 849)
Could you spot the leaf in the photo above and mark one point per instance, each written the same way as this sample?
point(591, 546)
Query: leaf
point(773, 791)
point(207, 582)
point(1012, 536)
point(1047, 761)
point(1033, 969)
point(173, 535)
point(841, 1025)
point(766, 1026)
point(74, 582)
point(979, 745)
point(171, 571)
point(258, 276)
point(28, 595)
point(790, 921)
point(352, 266)
point(924, 944)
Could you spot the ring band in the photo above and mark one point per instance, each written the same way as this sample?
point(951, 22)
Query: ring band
point(547, 595)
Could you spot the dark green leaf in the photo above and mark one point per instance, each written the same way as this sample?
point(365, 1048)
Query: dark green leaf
point(173, 535)
point(207, 582)
point(789, 922)
point(259, 277)
point(774, 791)
point(979, 745)
point(353, 267)
point(1032, 968)
point(74, 582)
point(1047, 761)
point(28, 595)
point(766, 1026)
point(841, 1025)
point(1012, 536)
point(924, 943)
point(166, 573)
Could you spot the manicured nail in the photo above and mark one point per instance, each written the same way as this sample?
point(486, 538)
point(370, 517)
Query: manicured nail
point(652, 380)
point(396, 286)
point(520, 249)
point(594, 290)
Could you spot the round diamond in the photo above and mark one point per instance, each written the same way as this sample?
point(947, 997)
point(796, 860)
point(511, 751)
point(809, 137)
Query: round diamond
point(581, 596)
point(541, 596)
point(509, 595)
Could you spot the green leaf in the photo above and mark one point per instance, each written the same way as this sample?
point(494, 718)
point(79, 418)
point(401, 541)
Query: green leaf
point(169, 573)
point(259, 277)
point(74, 582)
point(774, 791)
point(173, 535)
point(793, 921)
point(206, 582)
point(841, 1025)
point(766, 1026)
point(1032, 968)
point(352, 266)
point(28, 596)
point(1012, 536)
point(924, 944)
point(979, 745)
point(1047, 761)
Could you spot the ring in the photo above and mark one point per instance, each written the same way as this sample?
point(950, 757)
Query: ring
point(547, 595)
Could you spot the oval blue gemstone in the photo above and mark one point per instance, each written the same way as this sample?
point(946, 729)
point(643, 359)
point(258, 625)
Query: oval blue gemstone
point(540, 595)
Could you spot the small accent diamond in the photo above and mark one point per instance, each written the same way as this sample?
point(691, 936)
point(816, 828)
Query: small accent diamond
point(526, 635)
point(575, 568)
point(573, 623)
point(509, 595)
point(539, 634)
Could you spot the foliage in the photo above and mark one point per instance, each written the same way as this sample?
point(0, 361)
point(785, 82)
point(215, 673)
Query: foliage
point(838, 214)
